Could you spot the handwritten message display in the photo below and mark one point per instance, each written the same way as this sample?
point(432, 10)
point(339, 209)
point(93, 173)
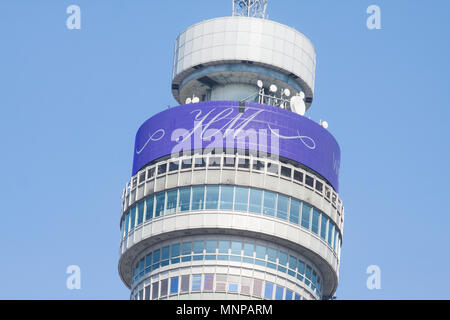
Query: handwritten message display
point(221, 125)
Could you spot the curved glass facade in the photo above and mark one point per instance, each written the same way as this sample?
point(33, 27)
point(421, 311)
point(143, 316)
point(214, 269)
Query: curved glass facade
point(228, 162)
point(232, 198)
point(217, 283)
point(229, 250)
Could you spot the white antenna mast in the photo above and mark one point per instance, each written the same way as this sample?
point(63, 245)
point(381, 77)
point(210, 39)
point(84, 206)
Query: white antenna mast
point(250, 8)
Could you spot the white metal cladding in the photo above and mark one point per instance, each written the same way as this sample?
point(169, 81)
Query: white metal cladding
point(239, 39)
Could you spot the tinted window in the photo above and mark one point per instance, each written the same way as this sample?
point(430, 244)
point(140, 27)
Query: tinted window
point(185, 199)
point(174, 285)
point(162, 168)
point(319, 186)
point(226, 197)
point(330, 233)
point(323, 227)
point(306, 213)
point(165, 253)
point(159, 207)
point(279, 293)
point(212, 197)
point(255, 200)
point(286, 172)
point(186, 248)
point(309, 181)
point(241, 199)
point(196, 282)
point(315, 222)
point(132, 217)
point(282, 259)
point(282, 207)
point(198, 247)
point(271, 254)
point(268, 292)
point(269, 203)
point(248, 249)
point(149, 208)
point(142, 177)
point(140, 209)
point(173, 166)
point(294, 211)
point(175, 250)
point(292, 262)
point(236, 248)
point(171, 201)
point(211, 246)
point(261, 252)
point(298, 176)
point(224, 246)
point(150, 173)
point(197, 198)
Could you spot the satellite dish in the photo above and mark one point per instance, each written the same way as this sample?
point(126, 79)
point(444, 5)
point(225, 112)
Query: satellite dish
point(298, 105)
point(273, 88)
point(195, 100)
point(325, 124)
point(260, 84)
point(188, 100)
point(287, 92)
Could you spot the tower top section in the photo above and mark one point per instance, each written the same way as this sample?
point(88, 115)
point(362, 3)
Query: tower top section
point(250, 8)
point(245, 58)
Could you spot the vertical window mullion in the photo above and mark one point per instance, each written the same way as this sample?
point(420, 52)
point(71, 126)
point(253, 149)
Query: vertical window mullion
point(190, 198)
point(311, 213)
point(177, 200)
point(219, 197)
point(288, 209)
point(165, 203)
point(248, 199)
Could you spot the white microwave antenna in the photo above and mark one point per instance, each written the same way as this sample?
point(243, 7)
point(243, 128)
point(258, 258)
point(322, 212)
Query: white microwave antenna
point(298, 104)
point(324, 124)
point(194, 99)
point(250, 8)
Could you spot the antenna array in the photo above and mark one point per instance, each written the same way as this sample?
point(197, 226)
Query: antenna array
point(250, 8)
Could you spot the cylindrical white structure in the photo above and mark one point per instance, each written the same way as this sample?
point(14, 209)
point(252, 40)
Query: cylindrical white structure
point(235, 197)
point(242, 50)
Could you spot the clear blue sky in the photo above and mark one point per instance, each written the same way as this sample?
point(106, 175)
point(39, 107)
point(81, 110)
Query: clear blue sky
point(71, 102)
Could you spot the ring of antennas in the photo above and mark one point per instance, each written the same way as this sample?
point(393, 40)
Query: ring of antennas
point(295, 103)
